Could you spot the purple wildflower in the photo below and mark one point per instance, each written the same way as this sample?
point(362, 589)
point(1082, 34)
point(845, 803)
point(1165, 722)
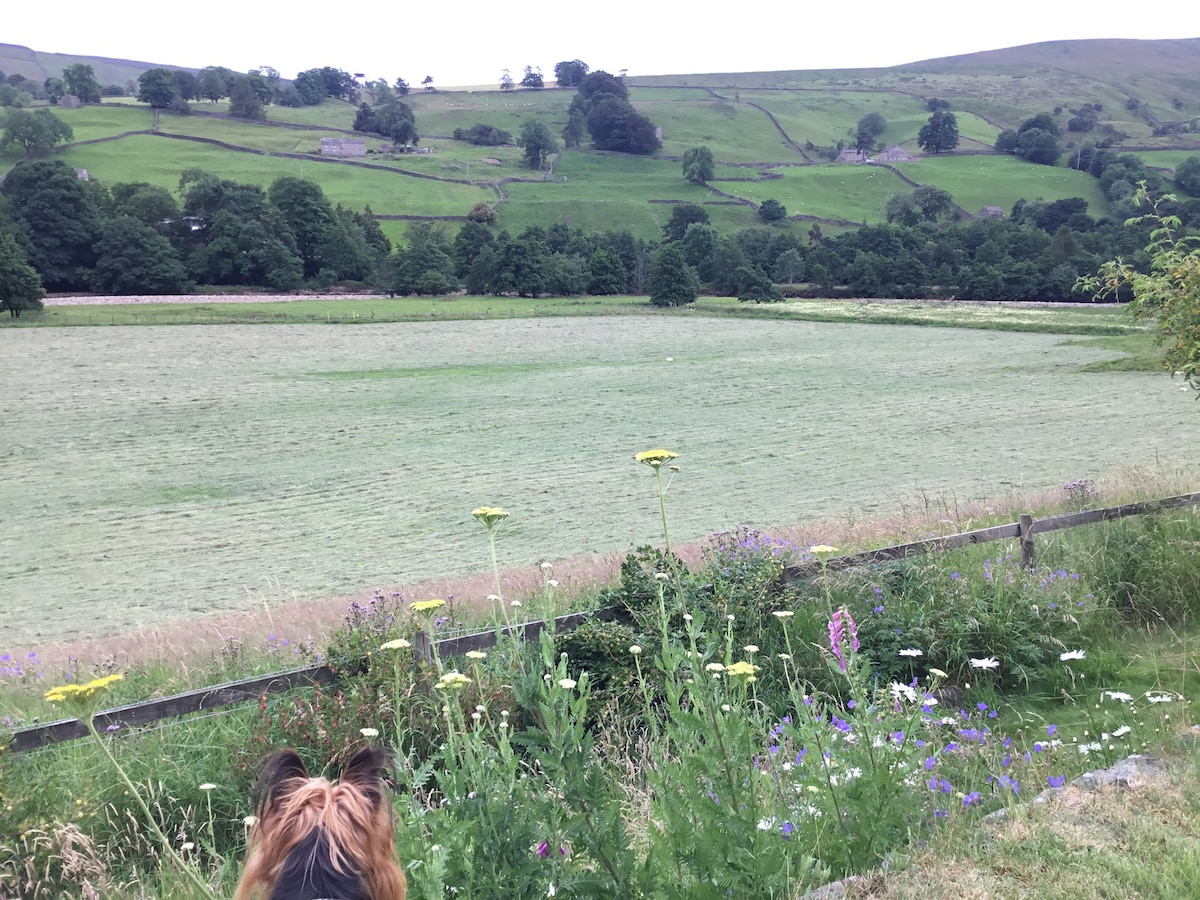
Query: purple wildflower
point(842, 632)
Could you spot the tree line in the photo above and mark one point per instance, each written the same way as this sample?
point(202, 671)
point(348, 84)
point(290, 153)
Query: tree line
point(139, 239)
point(68, 235)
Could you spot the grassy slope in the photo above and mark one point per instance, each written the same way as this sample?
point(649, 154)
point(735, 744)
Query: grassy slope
point(725, 112)
point(160, 161)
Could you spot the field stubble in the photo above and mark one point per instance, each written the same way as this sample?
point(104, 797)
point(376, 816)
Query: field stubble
point(174, 472)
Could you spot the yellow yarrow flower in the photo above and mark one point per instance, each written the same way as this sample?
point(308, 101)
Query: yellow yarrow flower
point(79, 697)
point(655, 458)
point(742, 669)
point(426, 605)
point(489, 515)
point(822, 549)
point(397, 644)
point(452, 681)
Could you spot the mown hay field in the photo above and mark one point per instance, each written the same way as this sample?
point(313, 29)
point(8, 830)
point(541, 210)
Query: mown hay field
point(154, 474)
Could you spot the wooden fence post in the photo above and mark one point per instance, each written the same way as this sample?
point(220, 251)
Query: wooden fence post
point(422, 648)
point(1026, 522)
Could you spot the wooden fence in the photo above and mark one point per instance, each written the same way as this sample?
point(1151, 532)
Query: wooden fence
point(424, 650)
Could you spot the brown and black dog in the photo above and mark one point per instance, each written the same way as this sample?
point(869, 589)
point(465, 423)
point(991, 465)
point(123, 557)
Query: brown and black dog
point(317, 840)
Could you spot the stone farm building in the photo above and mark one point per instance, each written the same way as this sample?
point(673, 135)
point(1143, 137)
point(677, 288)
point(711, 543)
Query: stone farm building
point(890, 155)
point(343, 147)
point(896, 154)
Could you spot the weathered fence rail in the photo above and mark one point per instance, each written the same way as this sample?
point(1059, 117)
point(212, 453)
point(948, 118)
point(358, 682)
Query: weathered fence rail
point(170, 707)
point(424, 650)
point(1024, 529)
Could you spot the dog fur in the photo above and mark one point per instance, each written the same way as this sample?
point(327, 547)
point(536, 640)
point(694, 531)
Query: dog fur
point(316, 840)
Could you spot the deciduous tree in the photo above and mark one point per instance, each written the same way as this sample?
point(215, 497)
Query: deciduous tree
point(940, 133)
point(157, 87)
point(532, 78)
point(37, 131)
point(606, 274)
point(1187, 176)
point(868, 129)
point(60, 217)
point(214, 83)
point(538, 142)
point(772, 210)
point(133, 258)
point(189, 87)
point(672, 282)
point(20, 286)
point(698, 164)
point(310, 86)
point(307, 212)
point(244, 101)
point(1036, 145)
point(80, 80)
point(683, 215)
point(1169, 293)
point(54, 89)
point(570, 73)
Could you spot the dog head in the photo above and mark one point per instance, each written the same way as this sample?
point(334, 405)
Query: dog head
point(317, 840)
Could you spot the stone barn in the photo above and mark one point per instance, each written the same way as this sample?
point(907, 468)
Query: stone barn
point(343, 147)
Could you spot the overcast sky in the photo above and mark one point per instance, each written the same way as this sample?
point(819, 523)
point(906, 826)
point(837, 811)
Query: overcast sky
point(465, 42)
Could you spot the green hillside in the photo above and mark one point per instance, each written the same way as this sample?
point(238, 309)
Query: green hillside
point(767, 132)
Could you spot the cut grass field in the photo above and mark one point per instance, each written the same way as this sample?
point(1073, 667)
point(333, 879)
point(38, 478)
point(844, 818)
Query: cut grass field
point(174, 472)
point(354, 310)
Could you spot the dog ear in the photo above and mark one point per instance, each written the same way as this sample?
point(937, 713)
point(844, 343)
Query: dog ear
point(366, 771)
point(283, 771)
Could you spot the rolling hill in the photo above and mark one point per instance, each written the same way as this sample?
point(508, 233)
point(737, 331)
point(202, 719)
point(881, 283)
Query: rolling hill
point(766, 130)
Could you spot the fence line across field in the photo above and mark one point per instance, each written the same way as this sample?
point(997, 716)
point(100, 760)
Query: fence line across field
point(425, 650)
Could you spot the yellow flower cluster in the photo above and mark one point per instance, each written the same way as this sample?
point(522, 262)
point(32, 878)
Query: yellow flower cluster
point(489, 515)
point(67, 692)
point(743, 669)
point(452, 681)
point(655, 458)
point(426, 605)
point(397, 644)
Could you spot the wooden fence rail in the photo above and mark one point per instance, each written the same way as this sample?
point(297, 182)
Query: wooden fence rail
point(424, 650)
point(171, 707)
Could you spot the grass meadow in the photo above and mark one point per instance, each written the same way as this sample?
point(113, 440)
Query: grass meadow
point(175, 472)
point(160, 161)
point(978, 181)
point(603, 191)
point(855, 193)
